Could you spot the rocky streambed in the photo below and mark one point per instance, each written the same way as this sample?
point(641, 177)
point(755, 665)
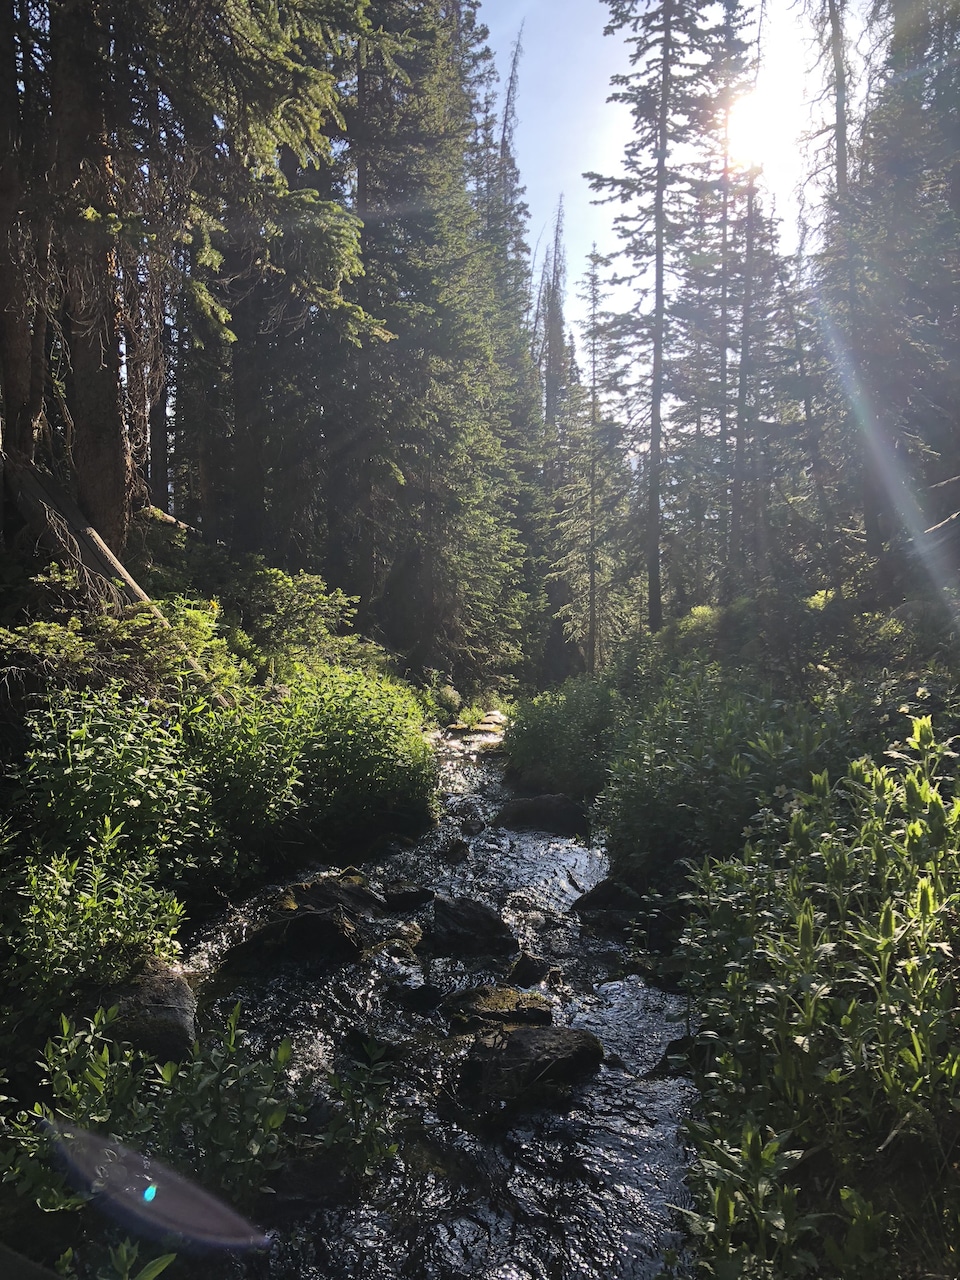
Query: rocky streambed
point(464, 1000)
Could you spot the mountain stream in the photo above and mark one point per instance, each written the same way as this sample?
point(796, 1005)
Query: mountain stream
point(581, 1182)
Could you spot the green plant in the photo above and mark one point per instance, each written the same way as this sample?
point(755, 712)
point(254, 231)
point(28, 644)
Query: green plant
point(98, 756)
point(364, 1124)
point(249, 757)
point(121, 1259)
point(364, 756)
point(562, 740)
point(822, 962)
point(441, 701)
point(78, 644)
point(219, 1117)
point(694, 762)
point(88, 919)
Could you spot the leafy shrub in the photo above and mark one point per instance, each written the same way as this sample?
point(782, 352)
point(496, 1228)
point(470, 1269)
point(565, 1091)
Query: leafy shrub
point(692, 767)
point(364, 755)
point(249, 758)
point(561, 740)
point(362, 1127)
point(276, 623)
point(100, 756)
point(823, 963)
point(219, 1117)
point(88, 919)
point(282, 623)
point(441, 701)
point(188, 794)
point(77, 644)
point(339, 749)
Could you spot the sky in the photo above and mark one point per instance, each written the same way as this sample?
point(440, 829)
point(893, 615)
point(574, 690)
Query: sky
point(566, 126)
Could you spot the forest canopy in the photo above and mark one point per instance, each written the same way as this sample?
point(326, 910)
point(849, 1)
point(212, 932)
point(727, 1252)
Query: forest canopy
point(266, 270)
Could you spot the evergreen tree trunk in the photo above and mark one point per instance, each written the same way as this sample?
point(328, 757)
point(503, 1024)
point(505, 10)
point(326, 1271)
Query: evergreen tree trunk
point(813, 437)
point(160, 430)
point(249, 444)
point(736, 558)
point(16, 425)
point(654, 478)
point(724, 336)
point(101, 454)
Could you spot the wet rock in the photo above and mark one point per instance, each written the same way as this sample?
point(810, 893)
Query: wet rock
point(467, 812)
point(528, 970)
point(481, 1007)
point(345, 890)
point(321, 1179)
point(530, 1064)
point(415, 997)
point(455, 853)
point(401, 895)
point(405, 934)
point(557, 815)
point(155, 1011)
point(305, 935)
point(465, 927)
point(404, 983)
point(493, 721)
point(608, 895)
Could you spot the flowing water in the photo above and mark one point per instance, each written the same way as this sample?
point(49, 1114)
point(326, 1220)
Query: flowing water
point(583, 1187)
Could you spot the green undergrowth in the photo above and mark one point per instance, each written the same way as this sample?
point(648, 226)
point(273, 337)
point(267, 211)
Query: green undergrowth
point(151, 759)
point(822, 963)
point(224, 1117)
point(682, 741)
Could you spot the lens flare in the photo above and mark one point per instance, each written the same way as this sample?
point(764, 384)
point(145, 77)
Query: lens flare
point(147, 1197)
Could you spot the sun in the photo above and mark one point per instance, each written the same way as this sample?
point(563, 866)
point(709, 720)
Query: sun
point(755, 130)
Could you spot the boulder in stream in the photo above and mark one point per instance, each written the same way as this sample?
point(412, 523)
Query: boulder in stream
point(304, 935)
point(402, 895)
point(556, 815)
point(487, 1006)
point(529, 970)
point(530, 1064)
point(155, 1011)
point(341, 889)
point(608, 895)
point(465, 927)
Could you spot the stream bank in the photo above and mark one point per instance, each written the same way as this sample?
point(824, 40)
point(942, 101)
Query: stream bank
point(512, 1051)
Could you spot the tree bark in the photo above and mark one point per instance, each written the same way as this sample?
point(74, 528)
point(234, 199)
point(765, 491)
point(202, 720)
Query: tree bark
point(101, 452)
point(160, 431)
point(654, 587)
point(249, 460)
point(735, 558)
point(16, 426)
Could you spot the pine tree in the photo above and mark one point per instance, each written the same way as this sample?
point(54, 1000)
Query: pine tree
point(593, 502)
point(671, 50)
point(420, 493)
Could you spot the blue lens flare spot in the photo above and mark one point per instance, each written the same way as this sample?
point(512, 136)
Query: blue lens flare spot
point(150, 1192)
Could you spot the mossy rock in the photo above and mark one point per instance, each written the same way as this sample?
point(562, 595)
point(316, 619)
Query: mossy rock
point(487, 1006)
